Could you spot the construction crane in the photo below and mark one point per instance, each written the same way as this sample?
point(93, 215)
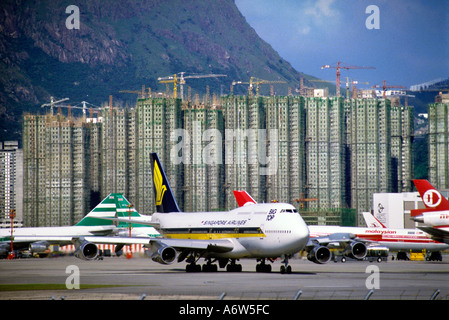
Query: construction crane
point(255, 82)
point(402, 88)
point(173, 79)
point(142, 93)
point(236, 82)
point(354, 89)
point(302, 200)
point(195, 76)
point(338, 67)
point(53, 103)
point(384, 88)
point(84, 108)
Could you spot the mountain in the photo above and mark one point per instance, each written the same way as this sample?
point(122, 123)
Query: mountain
point(122, 45)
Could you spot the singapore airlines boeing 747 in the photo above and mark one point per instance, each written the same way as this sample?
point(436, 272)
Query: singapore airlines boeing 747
point(263, 231)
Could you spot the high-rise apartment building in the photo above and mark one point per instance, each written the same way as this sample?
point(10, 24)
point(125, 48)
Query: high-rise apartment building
point(438, 135)
point(369, 150)
point(55, 168)
point(325, 152)
point(155, 122)
point(285, 132)
point(243, 116)
point(379, 141)
point(278, 148)
point(203, 157)
point(11, 181)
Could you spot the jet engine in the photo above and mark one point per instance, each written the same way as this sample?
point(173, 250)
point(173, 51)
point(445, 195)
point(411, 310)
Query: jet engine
point(355, 250)
point(319, 254)
point(39, 246)
point(87, 251)
point(163, 254)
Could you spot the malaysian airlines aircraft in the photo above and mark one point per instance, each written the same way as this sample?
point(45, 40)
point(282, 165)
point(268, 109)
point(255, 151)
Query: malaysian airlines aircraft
point(354, 240)
point(261, 231)
point(38, 239)
point(436, 214)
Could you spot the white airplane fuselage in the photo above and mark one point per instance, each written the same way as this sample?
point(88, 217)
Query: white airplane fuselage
point(256, 231)
point(394, 239)
point(435, 218)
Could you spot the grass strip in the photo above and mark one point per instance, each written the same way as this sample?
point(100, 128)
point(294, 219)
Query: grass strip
point(50, 286)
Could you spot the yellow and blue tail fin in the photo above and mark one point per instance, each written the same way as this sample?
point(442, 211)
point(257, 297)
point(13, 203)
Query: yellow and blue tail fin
point(165, 200)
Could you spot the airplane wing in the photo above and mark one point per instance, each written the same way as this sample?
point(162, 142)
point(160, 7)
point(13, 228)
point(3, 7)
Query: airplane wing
point(50, 239)
point(336, 239)
point(126, 220)
point(216, 245)
point(35, 243)
point(212, 245)
point(437, 234)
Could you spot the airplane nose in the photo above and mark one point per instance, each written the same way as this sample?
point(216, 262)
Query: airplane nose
point(302, 233)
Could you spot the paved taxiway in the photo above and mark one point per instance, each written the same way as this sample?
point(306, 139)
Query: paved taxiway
point(398, 280)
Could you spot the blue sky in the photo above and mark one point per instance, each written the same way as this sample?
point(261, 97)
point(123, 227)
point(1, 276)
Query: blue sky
point(411, 45)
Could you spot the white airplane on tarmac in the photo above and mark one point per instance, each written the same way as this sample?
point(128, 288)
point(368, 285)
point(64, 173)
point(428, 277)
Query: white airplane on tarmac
point(355, 241)
point(261, 231)
point(436, 214)
point(38, 239)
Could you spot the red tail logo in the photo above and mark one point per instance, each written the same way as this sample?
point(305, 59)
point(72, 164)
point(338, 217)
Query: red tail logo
point(431, 197)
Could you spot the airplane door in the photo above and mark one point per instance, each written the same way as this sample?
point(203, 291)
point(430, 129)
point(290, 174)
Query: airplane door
point(262, 228)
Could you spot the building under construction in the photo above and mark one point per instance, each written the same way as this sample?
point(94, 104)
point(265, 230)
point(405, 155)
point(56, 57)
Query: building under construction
point(55, 170)
point(438, 115)
point(328, 153)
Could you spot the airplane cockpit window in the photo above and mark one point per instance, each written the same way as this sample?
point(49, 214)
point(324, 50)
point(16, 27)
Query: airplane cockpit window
point(289, 210)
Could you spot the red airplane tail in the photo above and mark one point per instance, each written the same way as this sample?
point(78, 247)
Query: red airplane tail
point(432, 198)
point(243, 197)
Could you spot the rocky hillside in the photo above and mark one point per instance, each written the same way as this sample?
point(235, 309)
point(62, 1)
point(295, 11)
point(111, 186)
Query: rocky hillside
point(122, 45)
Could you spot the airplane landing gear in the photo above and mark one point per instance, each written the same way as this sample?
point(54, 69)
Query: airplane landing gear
point(234, 267)
point(193, 267)
point(209, 267)
point(262, 267)
point(286, 268)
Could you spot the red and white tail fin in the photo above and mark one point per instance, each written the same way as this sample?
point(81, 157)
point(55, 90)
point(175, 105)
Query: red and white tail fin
point(371, 221)
point(243, 198)
point(431, 197)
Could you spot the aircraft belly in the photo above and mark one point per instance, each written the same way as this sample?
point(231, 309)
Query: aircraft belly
point(270, 247)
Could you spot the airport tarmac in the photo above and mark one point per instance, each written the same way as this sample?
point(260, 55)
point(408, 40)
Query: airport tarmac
point(139, 277)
